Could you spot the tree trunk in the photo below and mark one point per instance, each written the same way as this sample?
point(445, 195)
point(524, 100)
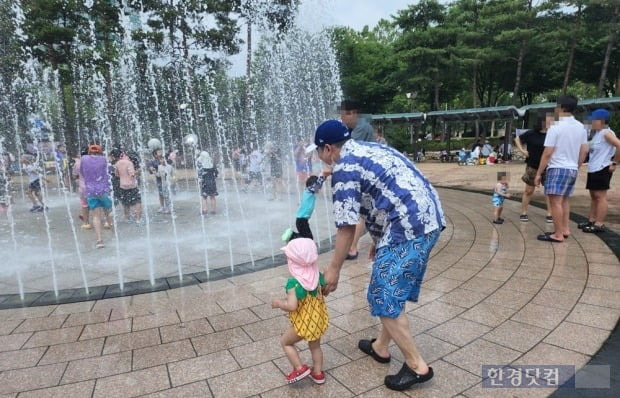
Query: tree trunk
point(571, 53)
point(474, 95)
point(436, 92)
point(610, 46)
point(515, 92)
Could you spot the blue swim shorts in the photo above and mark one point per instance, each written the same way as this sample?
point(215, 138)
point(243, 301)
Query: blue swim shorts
point(397, 274)
point(99, 201)
point(560, 182)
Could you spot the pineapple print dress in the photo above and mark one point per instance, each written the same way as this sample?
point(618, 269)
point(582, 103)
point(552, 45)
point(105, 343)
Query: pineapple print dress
point(310, 319)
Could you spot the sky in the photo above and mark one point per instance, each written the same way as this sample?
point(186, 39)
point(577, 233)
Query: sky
point(316, 14)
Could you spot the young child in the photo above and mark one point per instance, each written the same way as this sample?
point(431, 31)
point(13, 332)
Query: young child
point(306, 307)
point(499, 195)
point(166, 173)
point(306, 208)
point(207, 174)
point(34, 178)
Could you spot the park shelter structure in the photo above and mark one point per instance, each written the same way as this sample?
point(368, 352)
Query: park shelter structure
point(508, 113)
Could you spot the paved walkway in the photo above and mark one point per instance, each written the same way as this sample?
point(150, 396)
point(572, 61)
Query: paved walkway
point(493, 295)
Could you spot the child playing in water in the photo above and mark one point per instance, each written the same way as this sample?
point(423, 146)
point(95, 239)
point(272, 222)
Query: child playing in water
point(499, 195)
point(166, 173)
point(35, 175)
point(306, 208)
point(306, 308)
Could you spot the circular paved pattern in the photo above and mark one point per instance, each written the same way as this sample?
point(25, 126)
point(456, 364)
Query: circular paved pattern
point(493, 294)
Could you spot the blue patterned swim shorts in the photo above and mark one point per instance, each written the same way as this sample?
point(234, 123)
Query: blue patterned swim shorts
point(397, 274)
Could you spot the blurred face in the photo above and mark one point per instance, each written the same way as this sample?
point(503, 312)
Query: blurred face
point(597, 124)
point(349, 118)
point(549, 120)
point(327, 154)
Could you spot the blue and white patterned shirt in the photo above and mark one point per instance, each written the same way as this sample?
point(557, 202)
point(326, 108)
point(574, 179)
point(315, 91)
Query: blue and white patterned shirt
point(381, 184)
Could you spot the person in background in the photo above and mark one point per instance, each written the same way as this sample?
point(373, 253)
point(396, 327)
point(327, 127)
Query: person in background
point(35, 175)
point(534, 141)
point(604, 157)
point(361, 131)
point(207, 175)
point(94, 169)
point(62, 164)
point(81, 190)
point(153, 166)
point(566, 147)
point(129, 193)
point(379, 137)
point(500, 193)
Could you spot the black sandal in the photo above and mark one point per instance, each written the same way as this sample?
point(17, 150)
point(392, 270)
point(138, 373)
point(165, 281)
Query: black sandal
point(584, 224)
point(366, 347)
point(594, 229)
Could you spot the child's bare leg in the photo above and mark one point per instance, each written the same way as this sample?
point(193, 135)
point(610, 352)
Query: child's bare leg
point(317, 356)
point(499, 211)
point(40, 198)
point(288, 340)
point(137, 209)
point(97, 223)
point(496, 213)
point(86, 215)
point(204, 208)
point(212, 199)
point(30, 195)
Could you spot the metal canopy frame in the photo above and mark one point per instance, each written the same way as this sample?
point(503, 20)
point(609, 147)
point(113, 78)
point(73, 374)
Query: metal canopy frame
point(488, 114)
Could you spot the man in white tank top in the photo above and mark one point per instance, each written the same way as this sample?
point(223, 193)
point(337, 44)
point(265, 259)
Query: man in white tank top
point(604, 155)
point(565, 150)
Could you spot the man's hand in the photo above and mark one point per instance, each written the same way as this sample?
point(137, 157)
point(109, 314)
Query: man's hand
point(525, 153)
point(331, 280)
point(372, 252)
point(537, 180)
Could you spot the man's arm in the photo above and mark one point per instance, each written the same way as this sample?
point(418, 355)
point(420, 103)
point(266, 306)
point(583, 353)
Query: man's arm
point(544, 162)
point(520, 147)
point(344, 238)
point(583, 152)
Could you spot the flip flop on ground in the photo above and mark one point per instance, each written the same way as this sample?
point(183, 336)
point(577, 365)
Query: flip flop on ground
point(548, 238)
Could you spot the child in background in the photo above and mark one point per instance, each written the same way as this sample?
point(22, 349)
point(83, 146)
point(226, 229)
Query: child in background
point(207, 174)
point(499, 195)
point(306, 208)
point(77, 174)
point(34, 178)
point(5, 198)
point(165, 172)
point(306, 307)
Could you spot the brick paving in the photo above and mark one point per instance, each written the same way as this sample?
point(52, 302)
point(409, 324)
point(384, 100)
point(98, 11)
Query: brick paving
point(493, 294)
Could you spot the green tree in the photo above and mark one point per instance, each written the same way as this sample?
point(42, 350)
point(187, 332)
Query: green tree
point(367, 66)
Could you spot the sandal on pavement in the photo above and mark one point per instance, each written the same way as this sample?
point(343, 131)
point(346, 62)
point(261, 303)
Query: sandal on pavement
point(352, 256)
point(548, 238)
point(551, 233)
point(366, 347)
point(594, 229)
point(406, 378)
point(581, 225)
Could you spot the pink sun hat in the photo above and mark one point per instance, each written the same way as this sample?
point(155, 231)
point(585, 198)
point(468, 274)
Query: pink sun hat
point(302, 259)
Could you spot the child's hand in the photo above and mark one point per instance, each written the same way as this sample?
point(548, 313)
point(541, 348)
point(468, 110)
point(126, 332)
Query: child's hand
point(508, 195)
point(275, 303)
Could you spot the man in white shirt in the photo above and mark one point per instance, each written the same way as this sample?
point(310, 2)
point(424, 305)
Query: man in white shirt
point(565, 150)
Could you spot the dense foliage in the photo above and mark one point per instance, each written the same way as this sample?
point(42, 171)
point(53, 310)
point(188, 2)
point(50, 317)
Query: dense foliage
point(478, 53)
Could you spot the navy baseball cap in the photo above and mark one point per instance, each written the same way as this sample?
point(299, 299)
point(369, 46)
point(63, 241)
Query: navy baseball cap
point(329, 132)
point(600, 114)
